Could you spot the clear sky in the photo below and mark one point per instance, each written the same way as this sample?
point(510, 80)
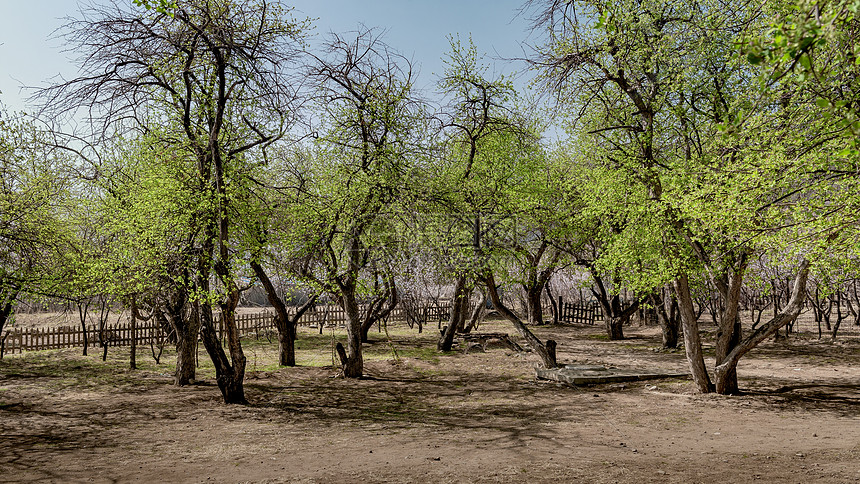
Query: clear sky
point(416, 28)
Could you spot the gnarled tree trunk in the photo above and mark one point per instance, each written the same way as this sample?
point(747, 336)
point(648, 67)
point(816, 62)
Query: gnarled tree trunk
point(789, 313)
point(669, 318)
point(378, 310)
point(229, 374)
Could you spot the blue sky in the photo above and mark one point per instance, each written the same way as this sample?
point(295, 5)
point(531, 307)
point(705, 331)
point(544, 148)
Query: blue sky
point(416, 28)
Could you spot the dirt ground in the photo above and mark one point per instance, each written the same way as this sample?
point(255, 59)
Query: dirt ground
point(476, 417)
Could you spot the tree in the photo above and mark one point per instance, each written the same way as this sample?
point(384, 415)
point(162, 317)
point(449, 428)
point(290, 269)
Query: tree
point(654, 85)
point(345, 216)
point(488, 193)
point(36, 238)
point(216, 75)
point(147, 216)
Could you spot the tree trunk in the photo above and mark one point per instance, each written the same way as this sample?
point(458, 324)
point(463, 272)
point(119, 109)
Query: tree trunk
point(547, 355)
point(186, 369)
point(82, 314)
point(789, 314)
point(354, 365)
point(614, 317)
point(839, 317)
point(535, 310)
point(229, 379)
point(553, 304)
point(232, 383)
point(692, 339)
point(477, 314)
point(377, 310)
point(446, 339)
point(465, 303)
point(132, 359)
point(667, 314)
point(285, 325)
point(185, 330)
point(614, 327)
point(6, 311)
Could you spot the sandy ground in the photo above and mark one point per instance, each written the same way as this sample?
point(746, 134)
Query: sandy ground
point(477, 417)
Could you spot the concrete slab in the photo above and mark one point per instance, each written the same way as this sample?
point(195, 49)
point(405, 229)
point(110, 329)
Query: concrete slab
point(595, 374)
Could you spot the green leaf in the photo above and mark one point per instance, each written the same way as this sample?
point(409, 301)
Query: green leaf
point(754, 59)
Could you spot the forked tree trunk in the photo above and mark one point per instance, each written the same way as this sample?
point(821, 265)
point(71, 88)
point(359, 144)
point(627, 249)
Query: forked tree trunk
point(229, 375)
point(232, 383)
point(185, 329)
point(285, 325)
point(729, 331)
point(614, 317)
point(82, 314)
point(667, 314)
point(788, 314)
point(378, 310)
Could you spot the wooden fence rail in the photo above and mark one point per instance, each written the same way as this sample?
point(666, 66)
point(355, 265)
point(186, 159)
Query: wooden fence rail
point(18, 340)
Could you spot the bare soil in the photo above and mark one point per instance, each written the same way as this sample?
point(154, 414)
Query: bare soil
point(476, 417)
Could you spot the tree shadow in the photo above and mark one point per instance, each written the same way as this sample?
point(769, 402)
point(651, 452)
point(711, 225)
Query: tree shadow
point(839, 399)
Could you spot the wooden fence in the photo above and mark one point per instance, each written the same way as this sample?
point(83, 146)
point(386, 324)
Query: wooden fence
point(581, 313)
point(17, 340)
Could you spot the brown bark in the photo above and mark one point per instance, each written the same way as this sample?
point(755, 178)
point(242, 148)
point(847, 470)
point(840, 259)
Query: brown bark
point(185, 330)
point(547, 357)
point(535, 309)
point(186, 369)
point(231, 383)
point(477, 314)
point(377, 309)
point(132, 363)
point(614, 317)
point(285, 325)
point(446, 339)
point(692, 339)
point(729, 331)
point(670, 321)
point(354, 365)
point(83, 308)
point(6, 311)
point(553, 304)
point(229, 378)
point(788, 314)
point(537, 280)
